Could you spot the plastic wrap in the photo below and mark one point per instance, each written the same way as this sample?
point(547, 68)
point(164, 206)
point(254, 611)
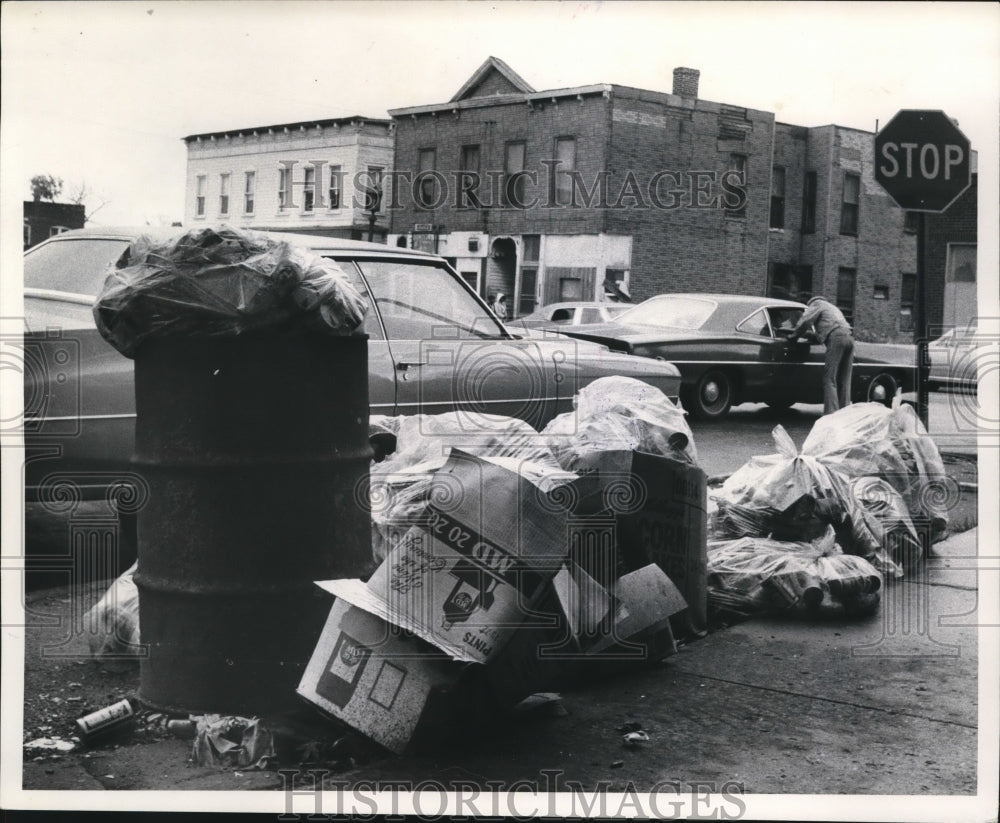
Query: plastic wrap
point(886, 507)
point(756, 574)
point(113, 622)
point(222, 282)
point(621, 413)
point(870, 439)
point(789, 496)
point(402, 483)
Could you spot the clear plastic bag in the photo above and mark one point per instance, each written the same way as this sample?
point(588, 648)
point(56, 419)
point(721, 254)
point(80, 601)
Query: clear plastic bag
point(113, 622)
point(756, 574)
point(222, 282)
point(621, 414)
point(790, 496)
point(402, 483)
point(869, 439)
point(887, 509)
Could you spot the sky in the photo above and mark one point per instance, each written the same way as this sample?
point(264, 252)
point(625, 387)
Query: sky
point(100, 94)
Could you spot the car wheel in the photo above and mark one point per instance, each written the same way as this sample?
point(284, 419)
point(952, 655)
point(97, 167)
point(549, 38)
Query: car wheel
point(711, 396)
point(882, 389)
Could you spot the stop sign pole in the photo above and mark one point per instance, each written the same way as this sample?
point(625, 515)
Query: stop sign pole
point(923, 162)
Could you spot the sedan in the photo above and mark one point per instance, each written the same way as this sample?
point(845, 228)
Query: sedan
point(433, 346)
point(958, 356)
point(732, 349)
point(573, 314)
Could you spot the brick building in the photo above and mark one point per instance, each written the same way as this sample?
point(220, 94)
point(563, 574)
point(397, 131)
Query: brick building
point(43, 219)
point(557, 195)
point(950, 261)
point(312, 177)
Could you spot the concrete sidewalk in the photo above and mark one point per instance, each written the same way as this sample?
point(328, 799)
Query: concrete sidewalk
point(881, 705)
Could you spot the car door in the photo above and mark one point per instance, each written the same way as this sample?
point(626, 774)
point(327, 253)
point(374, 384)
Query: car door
point(763, 372)
point(800, 374)
point(449, 353)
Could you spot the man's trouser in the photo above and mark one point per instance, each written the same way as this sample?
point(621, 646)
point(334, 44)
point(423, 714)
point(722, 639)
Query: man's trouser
point(837, 370)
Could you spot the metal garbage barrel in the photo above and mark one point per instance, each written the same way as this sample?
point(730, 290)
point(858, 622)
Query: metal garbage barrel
point(256, 452)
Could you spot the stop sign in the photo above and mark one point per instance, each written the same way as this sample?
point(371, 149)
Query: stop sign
point(922, 160)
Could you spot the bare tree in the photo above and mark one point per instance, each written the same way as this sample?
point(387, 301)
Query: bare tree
point(81, 194)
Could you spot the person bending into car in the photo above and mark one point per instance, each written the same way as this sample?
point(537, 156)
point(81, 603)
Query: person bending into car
point(830, 327)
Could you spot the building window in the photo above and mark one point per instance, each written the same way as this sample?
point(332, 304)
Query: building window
point(249, 184)
point(468, 165)
point(809, 203)
point(738, 176)
point(54, 230)
point(308, 188)
point(373, 189)
point(199, 196)
point(778, 198)
point(849, 205)
point(224, 194)
point(513, 181)
point(27, 233)
point(529, 273)
point(911, 220)
point(333, 193)
point(284, 187)
point(788, 282)
point(907, 298)
point(846, 279)
point(561, 187)
point(427, 185)
point(881, 293)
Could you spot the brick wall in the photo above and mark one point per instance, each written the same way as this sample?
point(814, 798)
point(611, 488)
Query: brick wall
point(41, 217)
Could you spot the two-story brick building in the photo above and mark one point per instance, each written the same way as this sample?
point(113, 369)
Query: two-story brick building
point(313, 177)
point(556, 195)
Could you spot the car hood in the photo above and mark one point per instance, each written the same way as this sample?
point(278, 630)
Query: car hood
point(625, 337)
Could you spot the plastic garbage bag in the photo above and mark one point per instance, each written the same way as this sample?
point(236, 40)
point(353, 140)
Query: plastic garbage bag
point(869, 439)
point(757, 574)
point(113, 622)
point(793, 497)
point(621, 414)
point(402, 484)
point(236, 742)
point(220, 282)
point(887, 509)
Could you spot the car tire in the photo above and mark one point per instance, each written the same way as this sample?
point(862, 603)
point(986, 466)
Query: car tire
point(882, 389)
point(711, 397)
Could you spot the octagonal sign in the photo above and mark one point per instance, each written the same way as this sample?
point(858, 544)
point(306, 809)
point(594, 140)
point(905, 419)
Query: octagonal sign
point(922, 160)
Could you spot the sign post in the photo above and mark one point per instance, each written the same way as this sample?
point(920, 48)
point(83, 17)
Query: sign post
point(923, 162)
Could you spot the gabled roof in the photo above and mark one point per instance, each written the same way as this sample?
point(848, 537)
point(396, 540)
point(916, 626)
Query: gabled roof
point(491, 66)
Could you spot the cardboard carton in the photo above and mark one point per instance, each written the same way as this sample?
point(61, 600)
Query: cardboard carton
point(653, 510)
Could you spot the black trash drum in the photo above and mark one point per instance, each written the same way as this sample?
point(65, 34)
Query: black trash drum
point(256, 452)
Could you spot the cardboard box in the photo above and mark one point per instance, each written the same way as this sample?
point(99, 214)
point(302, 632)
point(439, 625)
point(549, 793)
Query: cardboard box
point(479, 571)
point(645, 602)
point(395, 689)
point(655, 509)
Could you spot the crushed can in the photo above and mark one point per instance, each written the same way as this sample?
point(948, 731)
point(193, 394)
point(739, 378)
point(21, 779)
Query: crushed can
point(107, 722)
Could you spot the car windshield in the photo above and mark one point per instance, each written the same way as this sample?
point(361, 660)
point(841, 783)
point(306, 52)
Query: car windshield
point(425, 301)
point(669, 310)
point(77, 266)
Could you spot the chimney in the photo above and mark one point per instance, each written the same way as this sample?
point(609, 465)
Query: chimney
point(686, 82)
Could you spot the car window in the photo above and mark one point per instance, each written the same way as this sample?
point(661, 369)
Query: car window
point(756, 324)
point(562, 315)
point(76, 266)
point(425, 301)
point(614, 311)
point(784, 318)
point(591, 315)
point(372, 326)
point(670, 310)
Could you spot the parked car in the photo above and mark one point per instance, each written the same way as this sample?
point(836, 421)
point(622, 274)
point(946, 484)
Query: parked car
point(573, 314)
point(957, 357)
point(732, 349)
point(434, 346)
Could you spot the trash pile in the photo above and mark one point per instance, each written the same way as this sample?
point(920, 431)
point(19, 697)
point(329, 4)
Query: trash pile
point(222, 282)
point(817, 531)
point(504, 572)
